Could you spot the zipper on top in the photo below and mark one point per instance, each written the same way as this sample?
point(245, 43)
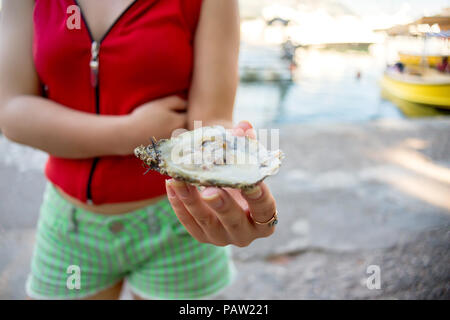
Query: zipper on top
point(94, 66)
point(94, 63)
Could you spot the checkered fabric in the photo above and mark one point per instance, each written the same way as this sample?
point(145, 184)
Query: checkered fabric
point(147, 247)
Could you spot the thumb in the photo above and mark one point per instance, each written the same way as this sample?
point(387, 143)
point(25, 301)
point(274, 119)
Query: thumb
point(244, 128)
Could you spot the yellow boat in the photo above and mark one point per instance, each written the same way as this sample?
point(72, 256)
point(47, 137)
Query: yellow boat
point(429, 88)
point(415, 60)
point(415, 110)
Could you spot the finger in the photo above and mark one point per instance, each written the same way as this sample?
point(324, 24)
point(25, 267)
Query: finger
point(184, 216)
point(202, 214)
point(199, 211)
point(244, 125)
point(237, 196)
point(261, 204)
point(244, 128)
point(231, 215)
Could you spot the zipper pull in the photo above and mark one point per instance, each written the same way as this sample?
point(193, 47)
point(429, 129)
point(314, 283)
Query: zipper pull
point(94, 63)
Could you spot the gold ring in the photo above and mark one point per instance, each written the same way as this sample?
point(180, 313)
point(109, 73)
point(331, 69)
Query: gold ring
point(271, 222)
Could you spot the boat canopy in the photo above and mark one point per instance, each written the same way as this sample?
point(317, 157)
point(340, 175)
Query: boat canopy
point(414, 28)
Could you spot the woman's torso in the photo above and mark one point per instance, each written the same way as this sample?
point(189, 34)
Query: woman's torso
point(145, 53)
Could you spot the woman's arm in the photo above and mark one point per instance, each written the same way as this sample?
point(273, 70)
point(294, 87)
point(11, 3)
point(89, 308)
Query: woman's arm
point(40, 123)
point(216, 52)
point(29, 119)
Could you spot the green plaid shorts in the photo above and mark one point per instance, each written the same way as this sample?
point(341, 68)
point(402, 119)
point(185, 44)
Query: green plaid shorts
point(80, 253)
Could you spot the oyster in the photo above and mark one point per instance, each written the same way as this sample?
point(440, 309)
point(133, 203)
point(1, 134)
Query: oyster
point(211, 156)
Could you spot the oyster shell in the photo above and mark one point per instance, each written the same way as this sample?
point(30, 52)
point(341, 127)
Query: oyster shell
point(211, 156)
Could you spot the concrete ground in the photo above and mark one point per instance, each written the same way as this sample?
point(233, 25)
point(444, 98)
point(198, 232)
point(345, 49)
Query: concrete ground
point(349, 197)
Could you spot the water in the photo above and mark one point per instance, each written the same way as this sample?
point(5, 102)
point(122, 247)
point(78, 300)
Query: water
point(325, 89)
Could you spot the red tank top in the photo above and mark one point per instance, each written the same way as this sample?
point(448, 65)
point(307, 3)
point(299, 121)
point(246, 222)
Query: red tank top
point(146, 54)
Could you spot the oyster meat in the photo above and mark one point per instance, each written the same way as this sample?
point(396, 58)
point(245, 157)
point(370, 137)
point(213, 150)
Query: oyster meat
point(211, 156)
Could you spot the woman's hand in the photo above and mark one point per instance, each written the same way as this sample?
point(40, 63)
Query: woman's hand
point(157, 118)
point(222, 216)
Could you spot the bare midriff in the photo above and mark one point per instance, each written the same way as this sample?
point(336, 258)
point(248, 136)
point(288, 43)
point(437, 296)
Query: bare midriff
point(111, 208)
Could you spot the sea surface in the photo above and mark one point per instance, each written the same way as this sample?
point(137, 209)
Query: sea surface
point(326, 88)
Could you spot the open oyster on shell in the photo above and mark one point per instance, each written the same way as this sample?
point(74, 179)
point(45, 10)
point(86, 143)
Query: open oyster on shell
point(211, 156)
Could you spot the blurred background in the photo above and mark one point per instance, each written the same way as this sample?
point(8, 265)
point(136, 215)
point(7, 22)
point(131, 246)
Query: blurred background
point(360, 91)
point(323, 61)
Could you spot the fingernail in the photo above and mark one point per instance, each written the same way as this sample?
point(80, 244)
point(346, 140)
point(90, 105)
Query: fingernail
point(253, 193)
point(170, 192)
point(247, 123)
point(212, 196)
point(180, 188)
